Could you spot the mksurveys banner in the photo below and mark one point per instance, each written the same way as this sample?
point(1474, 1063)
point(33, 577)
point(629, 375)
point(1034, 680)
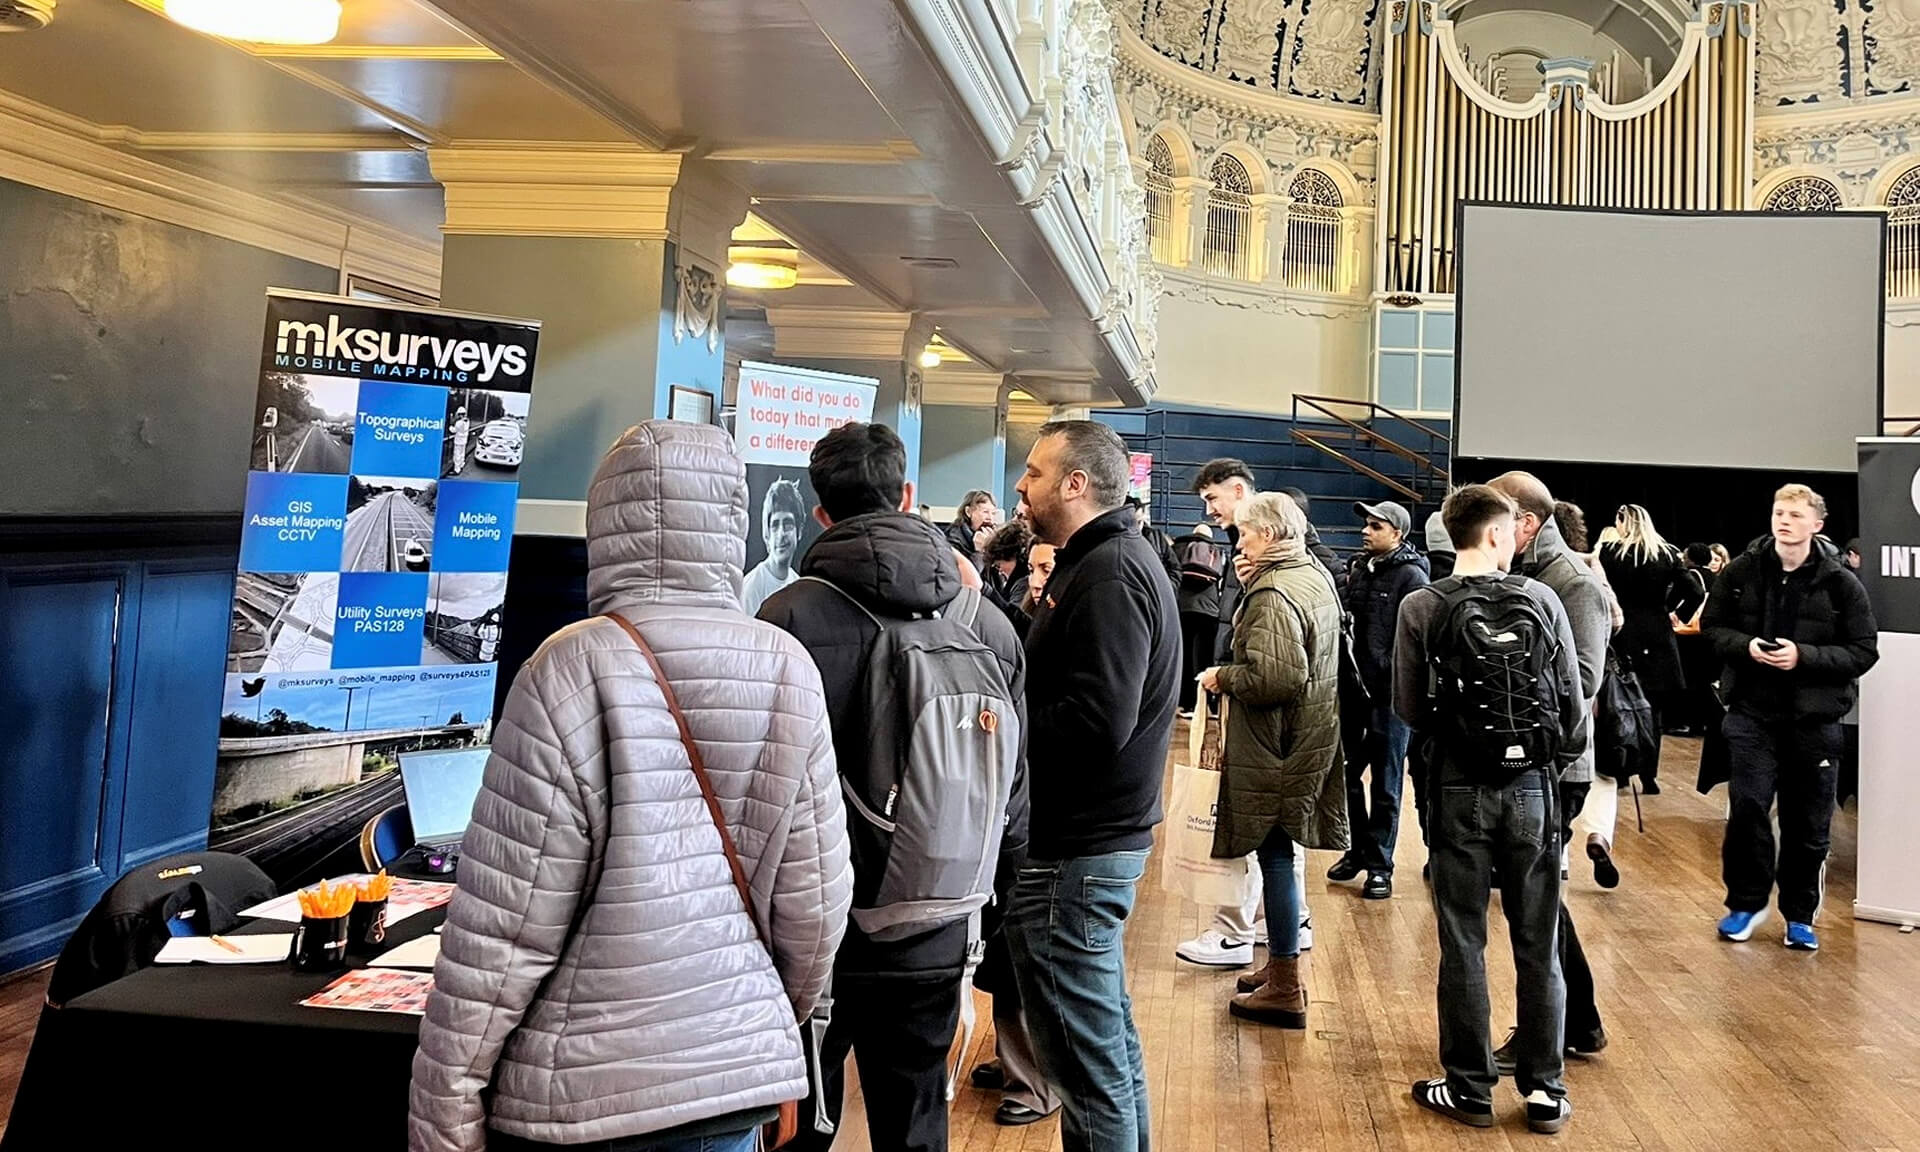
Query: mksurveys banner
point(387, 443)
point(1889, 876)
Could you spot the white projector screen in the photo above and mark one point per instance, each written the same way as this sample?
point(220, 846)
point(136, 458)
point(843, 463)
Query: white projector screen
point(1741, 340)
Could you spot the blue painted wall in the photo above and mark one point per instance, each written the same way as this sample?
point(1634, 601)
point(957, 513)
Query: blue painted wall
point(688, 362)
point(111, 670)
point(959, 452)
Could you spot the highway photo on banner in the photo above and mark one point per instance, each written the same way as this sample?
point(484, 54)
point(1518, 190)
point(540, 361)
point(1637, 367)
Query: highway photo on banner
point(304, 424)
point(389, 524)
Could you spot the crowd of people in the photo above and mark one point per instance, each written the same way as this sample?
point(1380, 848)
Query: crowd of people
point(716, 855)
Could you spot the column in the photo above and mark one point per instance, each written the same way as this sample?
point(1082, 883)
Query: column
point(863, 342)
point(620, 253)
point(1189, 224)
point(1267, 239)
point(963, 437)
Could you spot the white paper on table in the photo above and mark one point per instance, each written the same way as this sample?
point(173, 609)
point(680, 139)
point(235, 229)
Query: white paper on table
point(206, 950)
point(421, 953)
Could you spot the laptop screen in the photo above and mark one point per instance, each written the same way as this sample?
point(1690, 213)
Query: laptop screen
point(441, 788)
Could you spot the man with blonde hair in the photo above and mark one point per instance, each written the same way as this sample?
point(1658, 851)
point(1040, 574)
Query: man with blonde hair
point(1795, 630)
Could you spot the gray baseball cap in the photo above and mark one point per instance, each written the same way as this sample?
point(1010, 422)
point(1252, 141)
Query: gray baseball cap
point(1386, 510)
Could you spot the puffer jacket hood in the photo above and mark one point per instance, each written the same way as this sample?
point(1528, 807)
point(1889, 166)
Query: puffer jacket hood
point(1437, 538)
point(667, 520)
point(1406, 553)
point(893, 562)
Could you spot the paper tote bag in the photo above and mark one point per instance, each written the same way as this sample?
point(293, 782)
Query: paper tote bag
point(1187, 866)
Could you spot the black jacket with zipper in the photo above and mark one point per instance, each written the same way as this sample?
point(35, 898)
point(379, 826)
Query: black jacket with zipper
point(1375, 587)
point(1820, 606)
point(1103, 676)
point(898, 566)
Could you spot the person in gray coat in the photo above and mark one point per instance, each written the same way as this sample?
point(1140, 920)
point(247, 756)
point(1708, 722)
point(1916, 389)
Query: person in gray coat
point(599, 979)
point(1544, 556)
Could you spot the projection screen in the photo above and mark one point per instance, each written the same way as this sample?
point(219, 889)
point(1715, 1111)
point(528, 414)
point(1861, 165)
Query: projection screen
point(1741, 340)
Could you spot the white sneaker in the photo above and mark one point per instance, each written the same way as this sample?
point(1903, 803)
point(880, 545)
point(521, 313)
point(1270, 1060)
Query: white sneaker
point(1212, 950)
point(1306, 932)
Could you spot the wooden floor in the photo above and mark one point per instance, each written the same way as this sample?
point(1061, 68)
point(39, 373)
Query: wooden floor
point(1714, 1046)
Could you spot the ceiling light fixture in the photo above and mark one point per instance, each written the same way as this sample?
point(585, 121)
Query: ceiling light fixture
point(930, 357)
point(260, 21)
point(762, 268)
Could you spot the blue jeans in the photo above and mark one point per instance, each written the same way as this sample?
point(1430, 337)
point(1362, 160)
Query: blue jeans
point(1376, 745)
point(1282, 894)
point(1065, 926)
point(746, 1141)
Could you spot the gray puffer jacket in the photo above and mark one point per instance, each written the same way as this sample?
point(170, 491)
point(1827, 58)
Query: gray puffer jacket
point(597, 971)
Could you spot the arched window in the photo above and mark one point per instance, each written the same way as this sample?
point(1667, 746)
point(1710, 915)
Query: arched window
point(1229, 242)
point(1312, 258)
point(1903, 235)
point(1805, 194)
point(1159, 182)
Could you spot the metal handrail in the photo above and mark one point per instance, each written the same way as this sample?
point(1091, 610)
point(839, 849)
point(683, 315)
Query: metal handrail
point(1403, 489)
point(1374, 409)
point(1343, 427)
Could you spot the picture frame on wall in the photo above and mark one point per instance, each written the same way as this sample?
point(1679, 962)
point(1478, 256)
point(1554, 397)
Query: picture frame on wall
point(693, 405)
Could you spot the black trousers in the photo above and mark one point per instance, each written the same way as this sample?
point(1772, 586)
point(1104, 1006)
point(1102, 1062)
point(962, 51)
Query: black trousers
point(1198, 635)
point(1583, 1012)
point(1796, 762)
point(899, 1031)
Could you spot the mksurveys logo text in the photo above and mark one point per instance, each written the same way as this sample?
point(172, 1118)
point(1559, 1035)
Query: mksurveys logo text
point(406, 355)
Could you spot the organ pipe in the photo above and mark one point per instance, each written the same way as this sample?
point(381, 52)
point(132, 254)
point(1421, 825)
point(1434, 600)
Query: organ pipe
point(1683, 145)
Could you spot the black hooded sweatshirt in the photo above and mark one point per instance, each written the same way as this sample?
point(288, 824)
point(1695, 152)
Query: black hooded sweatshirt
point(899, 566)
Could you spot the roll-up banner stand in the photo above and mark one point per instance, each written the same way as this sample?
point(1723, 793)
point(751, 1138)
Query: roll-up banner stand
point(1889, 868)
point(780, 415)
point(386, 452)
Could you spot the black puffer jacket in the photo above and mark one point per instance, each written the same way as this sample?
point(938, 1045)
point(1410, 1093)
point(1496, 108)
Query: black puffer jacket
point(1375, 587)
point(898, 565)
point(1821, 607)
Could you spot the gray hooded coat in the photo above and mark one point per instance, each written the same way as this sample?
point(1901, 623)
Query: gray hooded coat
point(597, 971)
point(1552, 561)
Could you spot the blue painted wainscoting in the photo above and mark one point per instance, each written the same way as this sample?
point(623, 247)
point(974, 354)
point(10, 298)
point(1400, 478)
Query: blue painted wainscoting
point(111, 658)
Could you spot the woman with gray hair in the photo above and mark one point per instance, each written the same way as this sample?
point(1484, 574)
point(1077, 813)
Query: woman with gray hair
point(1284, 779)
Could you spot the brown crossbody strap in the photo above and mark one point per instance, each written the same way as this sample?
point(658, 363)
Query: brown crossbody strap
point(699, 772)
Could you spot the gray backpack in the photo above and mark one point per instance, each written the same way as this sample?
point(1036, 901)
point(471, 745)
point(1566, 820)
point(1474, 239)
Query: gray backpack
point(930, 802)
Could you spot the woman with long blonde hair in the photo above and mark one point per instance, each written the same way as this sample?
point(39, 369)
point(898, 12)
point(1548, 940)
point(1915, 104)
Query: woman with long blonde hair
point(1645, 572)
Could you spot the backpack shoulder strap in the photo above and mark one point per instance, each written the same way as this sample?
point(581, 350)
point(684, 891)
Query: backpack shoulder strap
point(699, 766)
point(849, 597)
point(964, 608)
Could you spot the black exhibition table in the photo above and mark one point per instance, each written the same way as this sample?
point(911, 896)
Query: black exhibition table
point(218, 1055)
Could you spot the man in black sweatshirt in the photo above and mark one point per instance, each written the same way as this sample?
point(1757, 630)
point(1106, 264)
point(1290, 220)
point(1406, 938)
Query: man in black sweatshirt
point(1103, 663)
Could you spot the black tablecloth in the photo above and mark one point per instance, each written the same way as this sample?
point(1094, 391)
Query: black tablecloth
point(218, 1054)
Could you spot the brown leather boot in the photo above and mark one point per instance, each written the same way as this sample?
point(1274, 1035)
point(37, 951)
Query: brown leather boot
point(1257, 978)
point(1282, 1001)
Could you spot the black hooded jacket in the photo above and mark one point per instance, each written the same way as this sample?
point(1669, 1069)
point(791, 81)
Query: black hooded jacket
point(899, 566)
point(1820, 606)
point(1375, 587)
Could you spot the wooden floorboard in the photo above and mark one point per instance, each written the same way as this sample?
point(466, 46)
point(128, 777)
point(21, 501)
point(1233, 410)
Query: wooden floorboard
point(1713, 1046)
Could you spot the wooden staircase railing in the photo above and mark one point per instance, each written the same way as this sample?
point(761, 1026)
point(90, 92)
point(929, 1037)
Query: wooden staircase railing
point(1318, 423)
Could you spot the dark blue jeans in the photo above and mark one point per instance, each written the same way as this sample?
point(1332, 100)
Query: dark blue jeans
point(1475, 831)
point(1377, 746)
point(1065, 926)
point(1280, 891)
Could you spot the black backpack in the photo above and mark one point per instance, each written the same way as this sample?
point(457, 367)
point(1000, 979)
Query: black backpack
point(1627, 742)
point(1496, 695)
point(1201, 562)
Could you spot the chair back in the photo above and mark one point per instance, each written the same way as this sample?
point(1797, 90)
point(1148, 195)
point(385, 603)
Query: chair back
point(201, 892)
point(385, 838)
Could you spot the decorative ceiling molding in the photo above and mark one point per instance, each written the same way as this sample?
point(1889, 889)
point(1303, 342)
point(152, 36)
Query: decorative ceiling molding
point(513, 189)
point(62, 153)
point(1232, 102)
point(972, 387)
point(1186, 284)
point(845, 333)
point(1796, 126)
point(703, 212)
point(888, 153)
point(129, 137)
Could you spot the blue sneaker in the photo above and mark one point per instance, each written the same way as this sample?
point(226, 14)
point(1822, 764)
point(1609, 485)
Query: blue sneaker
point(1739, 926)
point(1800, 937)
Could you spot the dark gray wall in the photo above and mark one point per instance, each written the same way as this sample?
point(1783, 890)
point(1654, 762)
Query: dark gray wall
point(129, 353)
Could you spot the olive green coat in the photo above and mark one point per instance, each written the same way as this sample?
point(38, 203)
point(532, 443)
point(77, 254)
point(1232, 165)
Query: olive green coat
point(1282, 762)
